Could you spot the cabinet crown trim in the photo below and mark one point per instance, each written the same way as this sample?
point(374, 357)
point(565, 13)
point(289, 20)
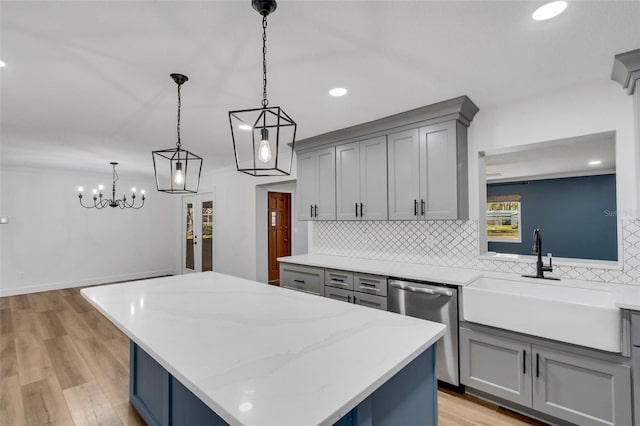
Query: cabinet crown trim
point(626, 70)
point(461, 108)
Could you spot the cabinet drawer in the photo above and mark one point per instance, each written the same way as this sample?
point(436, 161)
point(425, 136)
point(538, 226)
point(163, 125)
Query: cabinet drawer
point(372, 284)
point(635, 329)
point(302, 278)
point(370, 300)
point(338, 294)
point(340, 279)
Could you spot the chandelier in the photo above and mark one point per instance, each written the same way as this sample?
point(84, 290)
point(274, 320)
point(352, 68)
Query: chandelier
point(99, 202)
point(263, 138)
point(177, 170)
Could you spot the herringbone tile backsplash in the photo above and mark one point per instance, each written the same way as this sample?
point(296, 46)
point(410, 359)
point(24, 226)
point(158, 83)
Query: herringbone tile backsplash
point(455, 243)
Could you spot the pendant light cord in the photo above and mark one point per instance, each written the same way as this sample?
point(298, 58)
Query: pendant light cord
point(265, 101)
point(178, 126)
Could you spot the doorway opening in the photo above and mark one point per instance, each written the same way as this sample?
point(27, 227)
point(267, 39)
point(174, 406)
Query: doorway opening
point(197, 233)
point(279, 232)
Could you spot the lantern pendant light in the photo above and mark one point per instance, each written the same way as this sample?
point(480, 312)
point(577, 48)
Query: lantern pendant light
point(177, 170)
point(263, 138)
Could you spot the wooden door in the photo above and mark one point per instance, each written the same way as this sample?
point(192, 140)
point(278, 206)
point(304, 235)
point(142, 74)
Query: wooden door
point(279, 228)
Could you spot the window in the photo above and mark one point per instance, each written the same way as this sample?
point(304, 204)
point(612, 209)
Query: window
point(503, 218)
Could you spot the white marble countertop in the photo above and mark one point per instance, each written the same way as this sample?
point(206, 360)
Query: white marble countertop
point(411, 271)
point(263, 355)
point(625, 296)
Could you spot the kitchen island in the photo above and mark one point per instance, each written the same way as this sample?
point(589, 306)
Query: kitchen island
point(209, 348)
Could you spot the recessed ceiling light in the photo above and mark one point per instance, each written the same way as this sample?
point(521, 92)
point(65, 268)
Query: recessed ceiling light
point(338, 91)
point(244, 127)
point(595, 162)
point(549, 10)
point(2, 64)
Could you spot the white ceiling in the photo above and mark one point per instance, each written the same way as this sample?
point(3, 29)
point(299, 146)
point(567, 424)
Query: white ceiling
point(554, 159)
point(88, 82)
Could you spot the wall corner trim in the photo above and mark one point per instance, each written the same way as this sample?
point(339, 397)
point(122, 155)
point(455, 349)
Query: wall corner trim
point(626, 70)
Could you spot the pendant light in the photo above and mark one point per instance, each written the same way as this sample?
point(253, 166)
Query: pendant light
point(177, 170)
point(263, 138)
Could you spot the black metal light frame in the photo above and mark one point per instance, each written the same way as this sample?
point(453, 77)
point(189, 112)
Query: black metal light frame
point(265, 118)
point(177, 159)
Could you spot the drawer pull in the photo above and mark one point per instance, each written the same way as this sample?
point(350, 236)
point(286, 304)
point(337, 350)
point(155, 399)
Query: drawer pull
point(339, 283)
point(524, 361)
point(340, 280)
point(537, 365)
point(299, 281)
point(372, 288)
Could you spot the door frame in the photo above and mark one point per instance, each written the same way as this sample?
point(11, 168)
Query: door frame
point(197, 200)
point(289, 229)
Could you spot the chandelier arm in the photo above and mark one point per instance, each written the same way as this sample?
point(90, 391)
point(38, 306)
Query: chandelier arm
point(139, 207)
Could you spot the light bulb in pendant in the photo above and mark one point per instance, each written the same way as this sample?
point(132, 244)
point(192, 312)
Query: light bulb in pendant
point(178, 175)
point(264, 150)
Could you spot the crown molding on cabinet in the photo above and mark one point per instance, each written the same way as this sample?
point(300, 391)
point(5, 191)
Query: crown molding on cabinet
point(626, 70)
point(461, 108)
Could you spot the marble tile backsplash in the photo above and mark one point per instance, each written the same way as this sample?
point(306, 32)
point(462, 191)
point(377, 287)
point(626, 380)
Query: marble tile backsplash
point(455, 243)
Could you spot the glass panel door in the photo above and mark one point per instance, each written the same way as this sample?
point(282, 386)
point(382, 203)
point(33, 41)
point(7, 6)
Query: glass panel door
point(197, 233)
point(207, 236)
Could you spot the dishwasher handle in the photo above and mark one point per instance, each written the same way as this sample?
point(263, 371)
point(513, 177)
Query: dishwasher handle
point(434, 291)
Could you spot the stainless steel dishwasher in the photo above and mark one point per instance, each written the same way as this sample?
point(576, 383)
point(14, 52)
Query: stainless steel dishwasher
point(433, 302)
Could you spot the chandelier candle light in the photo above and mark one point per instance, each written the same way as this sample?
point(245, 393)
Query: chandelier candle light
point(100, 203)
point(177, 170)
point(263, 138)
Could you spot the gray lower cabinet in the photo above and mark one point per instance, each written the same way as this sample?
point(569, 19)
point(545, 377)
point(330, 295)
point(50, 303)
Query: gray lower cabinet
point(302, 278)
point(361, 289)
point(581, 390)
point(565, 385)
point(496, 365)
point(635, 366)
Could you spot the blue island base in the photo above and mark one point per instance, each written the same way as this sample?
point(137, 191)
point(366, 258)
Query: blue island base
point(408, 398)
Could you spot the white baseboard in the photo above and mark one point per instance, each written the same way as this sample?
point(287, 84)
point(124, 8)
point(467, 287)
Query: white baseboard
point(82, 283)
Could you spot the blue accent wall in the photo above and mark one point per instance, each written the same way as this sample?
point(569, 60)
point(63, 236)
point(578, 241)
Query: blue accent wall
point(577, 216)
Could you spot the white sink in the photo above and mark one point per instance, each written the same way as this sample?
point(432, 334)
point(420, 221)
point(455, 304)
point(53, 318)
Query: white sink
point(555, 310)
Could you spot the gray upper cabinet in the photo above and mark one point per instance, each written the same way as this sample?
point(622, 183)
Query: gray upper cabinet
point(316, 185)
point(404, 171)
point(428, 173)
point(361, 180)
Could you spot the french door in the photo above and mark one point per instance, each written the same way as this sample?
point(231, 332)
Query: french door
point(197, 233)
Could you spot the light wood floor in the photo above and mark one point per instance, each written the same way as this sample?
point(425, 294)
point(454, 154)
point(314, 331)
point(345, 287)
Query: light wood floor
point(63, 363)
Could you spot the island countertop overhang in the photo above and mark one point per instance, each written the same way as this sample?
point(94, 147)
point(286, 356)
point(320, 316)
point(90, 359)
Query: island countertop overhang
point(289, 356)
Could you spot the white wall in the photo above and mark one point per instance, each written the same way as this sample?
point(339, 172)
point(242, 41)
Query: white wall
point(52, 242)
point(585, 109)
point(234, 218)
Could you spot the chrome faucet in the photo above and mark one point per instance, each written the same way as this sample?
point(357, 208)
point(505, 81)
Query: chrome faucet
point(541, 268)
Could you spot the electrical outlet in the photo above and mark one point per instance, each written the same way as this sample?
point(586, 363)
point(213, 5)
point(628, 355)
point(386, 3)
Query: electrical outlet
point(365, 238)
point(430, 240)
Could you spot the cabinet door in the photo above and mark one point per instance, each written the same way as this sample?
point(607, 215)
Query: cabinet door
point(302, 278)
point(404, 170)
point(326, 184)
point(348, 181)
point(581, 390)
point(635, 358)
point(373, 179)
point(338, 294)
point(438, 172)
point(496, 365)
point(306, 185)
